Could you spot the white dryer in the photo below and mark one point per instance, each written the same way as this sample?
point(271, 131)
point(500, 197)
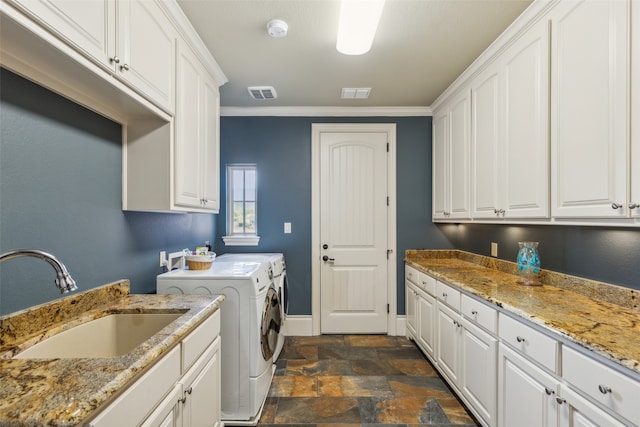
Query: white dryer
point(251, 303)
point(279, 269)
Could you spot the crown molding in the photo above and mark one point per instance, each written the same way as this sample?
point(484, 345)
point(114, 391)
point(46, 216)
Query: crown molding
point(328, 111)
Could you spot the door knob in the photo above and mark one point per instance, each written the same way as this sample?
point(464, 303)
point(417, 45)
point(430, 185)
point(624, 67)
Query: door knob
point(325, 246)
point(326, 258)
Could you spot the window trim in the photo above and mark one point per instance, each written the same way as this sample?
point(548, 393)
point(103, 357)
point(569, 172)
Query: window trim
point(239, 239)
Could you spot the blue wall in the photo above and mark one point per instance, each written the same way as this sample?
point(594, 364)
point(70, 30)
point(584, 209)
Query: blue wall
point(60, 191)
point(281, 148)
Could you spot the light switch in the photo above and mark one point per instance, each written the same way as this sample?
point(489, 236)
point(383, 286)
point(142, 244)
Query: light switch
point(287, 228)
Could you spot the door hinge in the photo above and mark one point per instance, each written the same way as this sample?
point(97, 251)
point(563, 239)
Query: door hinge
point(387, 147)
point(387, 308)
point(389, 251)
point(387, 200)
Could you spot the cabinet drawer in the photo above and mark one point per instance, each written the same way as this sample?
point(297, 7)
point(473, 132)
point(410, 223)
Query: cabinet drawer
point(427, 283)
point(197, 341)
point(528, 341)
point(411, 274)
point(480, 313)
point(448, 295)
point(132, 406)
point(603, 384)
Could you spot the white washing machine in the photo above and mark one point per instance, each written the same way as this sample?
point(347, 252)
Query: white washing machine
point(251, 306)
point(279, 268)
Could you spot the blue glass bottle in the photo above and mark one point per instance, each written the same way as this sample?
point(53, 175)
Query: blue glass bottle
point(528, 263)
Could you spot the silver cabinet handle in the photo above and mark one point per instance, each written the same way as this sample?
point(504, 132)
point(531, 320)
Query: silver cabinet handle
point(124, 67)
point(634, 205)
point(604, 389)
point(520, 339)
point(115, 60)
point(189, 390)
point(444, 295)
point(474, 312)
point(615, 206)
point(560, 400)
point(549, 391)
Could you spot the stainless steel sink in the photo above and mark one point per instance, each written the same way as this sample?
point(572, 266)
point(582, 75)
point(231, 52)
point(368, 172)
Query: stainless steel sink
point(110, 336)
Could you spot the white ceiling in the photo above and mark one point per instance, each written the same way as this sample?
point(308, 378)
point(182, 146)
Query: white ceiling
point(420, 48)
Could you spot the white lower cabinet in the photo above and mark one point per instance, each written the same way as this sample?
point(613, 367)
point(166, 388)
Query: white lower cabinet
point(176, 391)
point(576, 411)
point(510, 373)
point(466, 356)
point(426, 317)
point(526, 394)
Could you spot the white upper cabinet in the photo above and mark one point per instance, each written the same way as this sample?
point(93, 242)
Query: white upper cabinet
point(525, 68)
point(133, 39)
point(634, 202)
point(146, 50)
point(451, 154)
point(589, 108)
point(440, 166)
point(197, 137)
point(509, 143)
point(486, 145)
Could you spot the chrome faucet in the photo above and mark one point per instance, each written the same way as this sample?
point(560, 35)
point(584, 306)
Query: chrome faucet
point(64, 282)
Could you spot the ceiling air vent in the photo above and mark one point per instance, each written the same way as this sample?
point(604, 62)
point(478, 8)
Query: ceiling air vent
point(262, 92)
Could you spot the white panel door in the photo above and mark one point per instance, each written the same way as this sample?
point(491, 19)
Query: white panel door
point(411, 309)
point(526, 141)
point(589, 112)
point(448, 342)
point(353, 228)
point(426, 318)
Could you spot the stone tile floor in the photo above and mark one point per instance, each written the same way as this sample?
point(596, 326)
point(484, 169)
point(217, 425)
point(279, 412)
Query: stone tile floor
point(352, 380)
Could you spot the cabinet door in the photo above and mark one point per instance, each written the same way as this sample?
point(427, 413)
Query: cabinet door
point(526, 394)
point(201, 385)
point(589, 108)
point(485, 145)
point(211, 144)
point(426, 316)
point(526, 108)
point(459, 156)
point(188, 175)
point(89, 26)
point(447, 342)
point(575, 411)
point(146, 46)
point(412, 297)
point(634, 203)
point(167, 414)
point(478, 372)
point(440, 166)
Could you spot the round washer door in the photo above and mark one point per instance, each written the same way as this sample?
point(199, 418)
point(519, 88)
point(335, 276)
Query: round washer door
point(271, 322)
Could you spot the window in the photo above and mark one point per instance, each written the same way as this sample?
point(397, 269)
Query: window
point(242, 197)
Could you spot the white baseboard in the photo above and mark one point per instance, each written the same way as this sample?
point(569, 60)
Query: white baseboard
point(302, 326)
point(298, 326)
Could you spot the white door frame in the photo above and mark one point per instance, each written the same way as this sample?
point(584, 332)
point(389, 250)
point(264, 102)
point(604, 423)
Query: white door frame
point(392, 289)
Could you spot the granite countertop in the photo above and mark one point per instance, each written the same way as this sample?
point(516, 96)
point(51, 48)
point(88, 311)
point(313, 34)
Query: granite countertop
point(600, 317)
point(61, 392)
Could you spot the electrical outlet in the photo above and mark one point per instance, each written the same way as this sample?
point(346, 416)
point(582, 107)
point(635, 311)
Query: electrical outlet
point(494, 249)
point(163, 258)
point(287, 228)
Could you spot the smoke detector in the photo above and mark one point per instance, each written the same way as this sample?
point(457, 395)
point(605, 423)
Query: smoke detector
point(277, 28)
point(262, 92)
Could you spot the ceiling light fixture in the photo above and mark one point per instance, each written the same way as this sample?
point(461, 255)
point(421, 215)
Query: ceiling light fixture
point(357, 27)
point(277, 28)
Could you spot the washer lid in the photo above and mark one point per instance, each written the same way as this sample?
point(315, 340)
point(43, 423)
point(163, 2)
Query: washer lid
point(271, 323)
